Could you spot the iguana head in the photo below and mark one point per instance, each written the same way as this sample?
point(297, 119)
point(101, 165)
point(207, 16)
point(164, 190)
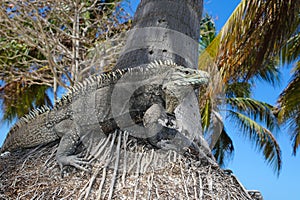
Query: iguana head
point(182, 76)
point(180, 82)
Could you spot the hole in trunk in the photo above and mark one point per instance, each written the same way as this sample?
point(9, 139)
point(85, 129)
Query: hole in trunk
point(161, 21)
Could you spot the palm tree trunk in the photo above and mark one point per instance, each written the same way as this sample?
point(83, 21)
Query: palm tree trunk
point(168, 30)
point(163, 30)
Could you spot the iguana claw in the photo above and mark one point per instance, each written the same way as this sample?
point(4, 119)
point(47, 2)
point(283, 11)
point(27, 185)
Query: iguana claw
point(78, 163)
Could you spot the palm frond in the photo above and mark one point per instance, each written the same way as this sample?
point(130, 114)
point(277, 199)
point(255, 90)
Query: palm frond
point(289, 108)
point(223, 149)
point(218, 139)
point(291, 51)
point(207, 32)
point(269, 72)
point(255, 109)
point(263, 139)
point(206, 114)
point(254, 33)
point(289, 99)
point(294, 130)
point(18, 99)
point(238, 89)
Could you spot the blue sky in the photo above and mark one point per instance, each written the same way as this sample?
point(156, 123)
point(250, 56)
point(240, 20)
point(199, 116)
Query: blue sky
point(248, 164)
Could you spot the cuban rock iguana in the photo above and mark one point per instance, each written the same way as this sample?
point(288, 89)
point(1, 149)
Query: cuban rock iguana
point(106, 102)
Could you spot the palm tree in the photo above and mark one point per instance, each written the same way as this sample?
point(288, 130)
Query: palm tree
point(247, 49)
point(17, 93)
point(156, 35)
point(240, 108)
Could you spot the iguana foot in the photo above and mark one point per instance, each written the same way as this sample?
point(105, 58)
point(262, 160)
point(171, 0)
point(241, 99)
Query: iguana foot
point(164, 135)
point(70, 139)
point(74, 161)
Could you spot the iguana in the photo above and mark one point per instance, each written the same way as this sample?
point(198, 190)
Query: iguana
point(106, 102)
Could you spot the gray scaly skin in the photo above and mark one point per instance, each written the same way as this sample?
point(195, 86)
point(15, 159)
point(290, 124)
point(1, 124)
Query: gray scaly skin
point(88, 106)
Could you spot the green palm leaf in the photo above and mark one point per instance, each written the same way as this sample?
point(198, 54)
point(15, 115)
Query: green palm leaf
point(262, 138)
point(206, 114)
point(252, 37)
point(289, 108)
point(255, 109)
point(291, 51)
point(269, 72)
point(207, 32)
point(295, 131)
point(238, 89)
point(223, 149)
point(289, 99)
point(218, 139)
point(18, 100)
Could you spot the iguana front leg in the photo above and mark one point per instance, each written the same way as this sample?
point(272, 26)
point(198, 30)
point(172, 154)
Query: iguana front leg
point(164, 136)
point(70, 138)
point(160, 133)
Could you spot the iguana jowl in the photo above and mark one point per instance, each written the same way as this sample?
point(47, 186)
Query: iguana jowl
point(102, 103)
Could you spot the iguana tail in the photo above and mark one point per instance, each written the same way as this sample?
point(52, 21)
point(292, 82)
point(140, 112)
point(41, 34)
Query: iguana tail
point(31, 130)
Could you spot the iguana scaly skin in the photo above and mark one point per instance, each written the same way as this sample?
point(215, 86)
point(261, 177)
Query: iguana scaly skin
point(101, 103)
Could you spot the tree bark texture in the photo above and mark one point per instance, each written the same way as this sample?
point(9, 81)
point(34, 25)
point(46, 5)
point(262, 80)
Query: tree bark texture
point(34, 174)
point(168, 30)
point(164, 30)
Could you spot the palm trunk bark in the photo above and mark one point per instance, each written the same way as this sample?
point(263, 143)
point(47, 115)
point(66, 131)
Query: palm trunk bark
point(164, 30)
point(169, 30)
